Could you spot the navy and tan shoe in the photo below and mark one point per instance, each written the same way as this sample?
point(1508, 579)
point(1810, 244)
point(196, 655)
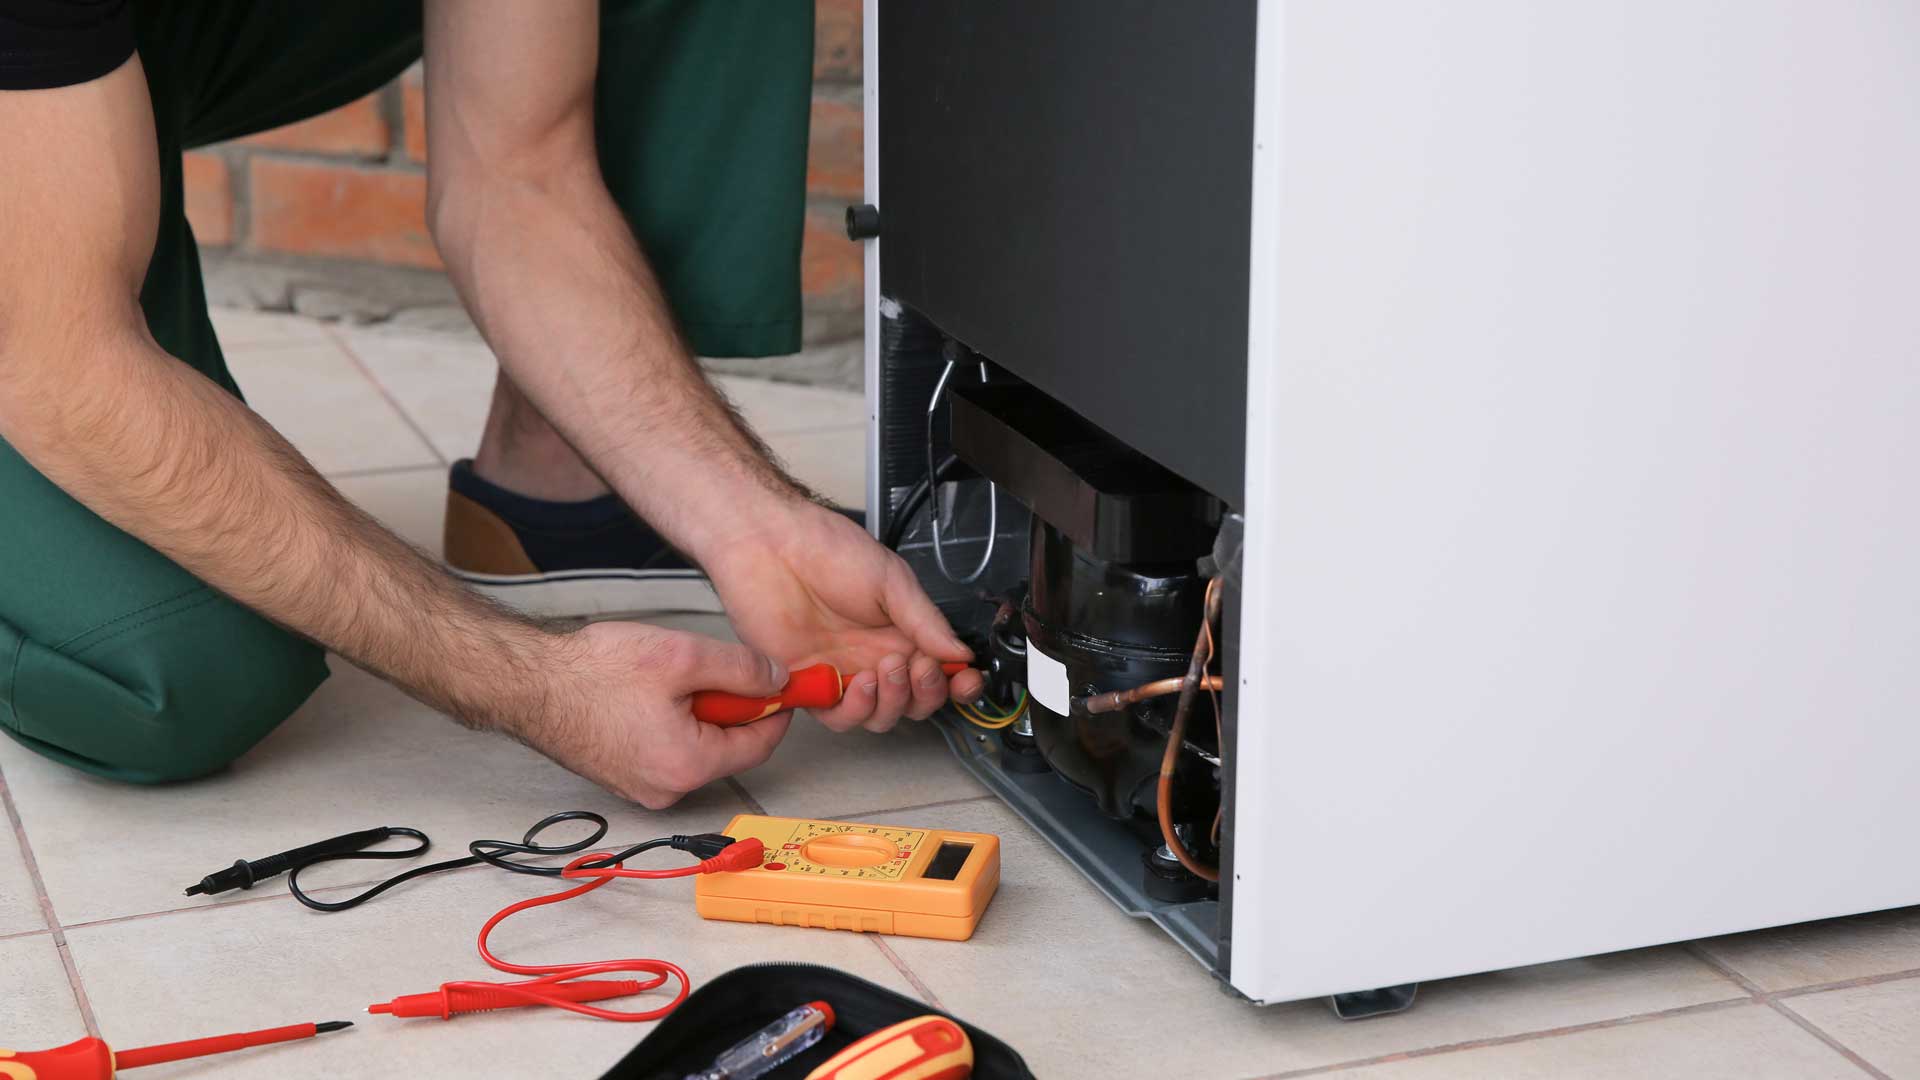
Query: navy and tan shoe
point(565, 558)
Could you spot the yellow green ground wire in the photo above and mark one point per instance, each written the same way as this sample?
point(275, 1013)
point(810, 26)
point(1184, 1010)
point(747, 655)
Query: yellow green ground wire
point(989, 721)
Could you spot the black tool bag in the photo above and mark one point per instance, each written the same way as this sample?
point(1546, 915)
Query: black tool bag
point(732, 1007)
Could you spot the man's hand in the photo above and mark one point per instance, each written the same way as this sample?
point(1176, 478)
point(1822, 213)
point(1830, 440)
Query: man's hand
point(616, 710)
point(808, 585)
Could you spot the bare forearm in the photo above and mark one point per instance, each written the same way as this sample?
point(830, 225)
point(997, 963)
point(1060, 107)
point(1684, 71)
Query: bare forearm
point(89, 398)
point(163, 453)
point(565, 297)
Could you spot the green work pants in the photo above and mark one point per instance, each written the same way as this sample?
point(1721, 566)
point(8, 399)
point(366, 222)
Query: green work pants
point(115, 660)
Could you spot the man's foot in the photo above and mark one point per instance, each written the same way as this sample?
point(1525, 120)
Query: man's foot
point(564, 558)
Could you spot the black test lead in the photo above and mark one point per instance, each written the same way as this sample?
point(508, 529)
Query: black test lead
point(245, 875)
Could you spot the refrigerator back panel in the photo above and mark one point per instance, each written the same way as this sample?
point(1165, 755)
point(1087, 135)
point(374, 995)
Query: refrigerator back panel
point(1066, 190)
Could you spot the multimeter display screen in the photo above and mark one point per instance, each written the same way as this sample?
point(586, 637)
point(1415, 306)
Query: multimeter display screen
point(947, 861)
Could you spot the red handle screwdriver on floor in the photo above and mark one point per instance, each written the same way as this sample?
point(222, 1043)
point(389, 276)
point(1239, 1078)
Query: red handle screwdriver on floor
point(91, 1059)
point(816, 687)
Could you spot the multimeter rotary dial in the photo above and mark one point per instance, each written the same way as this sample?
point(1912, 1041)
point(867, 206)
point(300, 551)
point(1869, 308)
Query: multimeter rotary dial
point(848, 849)
point(835, 849)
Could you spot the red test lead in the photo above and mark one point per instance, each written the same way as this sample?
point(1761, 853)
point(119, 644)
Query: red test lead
point(452, 1000)
point(559, 986)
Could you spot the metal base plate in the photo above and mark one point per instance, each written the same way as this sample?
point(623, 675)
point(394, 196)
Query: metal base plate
point(1103, 849)
point(1109, 855)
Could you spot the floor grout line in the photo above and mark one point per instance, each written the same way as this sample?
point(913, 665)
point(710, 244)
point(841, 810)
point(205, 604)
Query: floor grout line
point(1506, 1040)
point(1771, 1000)
point(1724, 970)
point(238, 901)
point(754, 804)
point(918, 806)
point(406, 417)
point(746, 796)
point(46, 910)
point(1832, 1043)
point(385, 470)
point(18, 934)
point(1847, 984)
point(907, 973)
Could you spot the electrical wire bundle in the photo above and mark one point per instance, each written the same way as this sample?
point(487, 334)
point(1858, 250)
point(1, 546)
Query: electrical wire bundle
point(993, 722)
point(933, 492)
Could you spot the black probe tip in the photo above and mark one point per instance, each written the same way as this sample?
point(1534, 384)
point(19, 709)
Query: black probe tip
point(325, 1026)
point(196, 890)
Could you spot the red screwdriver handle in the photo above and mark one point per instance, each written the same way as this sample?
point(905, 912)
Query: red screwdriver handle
point(815, 687)
point(85, 1059)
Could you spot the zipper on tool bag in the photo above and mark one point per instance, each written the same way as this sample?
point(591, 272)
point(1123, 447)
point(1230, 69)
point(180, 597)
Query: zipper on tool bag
point(874, 1023)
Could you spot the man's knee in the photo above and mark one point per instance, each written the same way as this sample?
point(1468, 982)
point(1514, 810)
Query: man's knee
point(173, 692)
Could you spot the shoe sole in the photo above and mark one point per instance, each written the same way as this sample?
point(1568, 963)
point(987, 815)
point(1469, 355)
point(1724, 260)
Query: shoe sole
point(599, 592)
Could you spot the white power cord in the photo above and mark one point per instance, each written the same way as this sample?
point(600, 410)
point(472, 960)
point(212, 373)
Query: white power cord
point(933, 491)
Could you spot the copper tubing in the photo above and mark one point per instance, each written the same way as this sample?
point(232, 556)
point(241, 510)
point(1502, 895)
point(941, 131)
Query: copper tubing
point(1115, 700)
point(1176, 737)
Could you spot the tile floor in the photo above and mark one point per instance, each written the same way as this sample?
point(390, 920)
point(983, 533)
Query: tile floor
point(95, 936)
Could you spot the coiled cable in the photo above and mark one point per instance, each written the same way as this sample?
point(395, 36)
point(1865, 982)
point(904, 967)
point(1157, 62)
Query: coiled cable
point(553, 985)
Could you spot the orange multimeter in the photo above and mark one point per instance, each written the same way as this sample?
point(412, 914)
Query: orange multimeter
point(839, 875)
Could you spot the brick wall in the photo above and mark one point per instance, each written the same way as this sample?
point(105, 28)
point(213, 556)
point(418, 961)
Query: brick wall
point(346, 191)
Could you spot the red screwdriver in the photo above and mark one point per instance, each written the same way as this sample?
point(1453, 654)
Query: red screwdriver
point(816, 687)
point(91, 1059)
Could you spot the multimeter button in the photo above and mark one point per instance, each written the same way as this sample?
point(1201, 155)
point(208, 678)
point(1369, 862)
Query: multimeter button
point(775, 866)
point(848, 849)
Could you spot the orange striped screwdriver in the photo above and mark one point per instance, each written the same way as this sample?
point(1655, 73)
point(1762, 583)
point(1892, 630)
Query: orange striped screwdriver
point(818, 687)
point(92, 1059)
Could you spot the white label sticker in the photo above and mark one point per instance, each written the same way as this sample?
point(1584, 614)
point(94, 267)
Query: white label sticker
point(1047, 681)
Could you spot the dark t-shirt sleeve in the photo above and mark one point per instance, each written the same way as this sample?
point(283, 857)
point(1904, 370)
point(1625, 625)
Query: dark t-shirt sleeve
point(47, 43)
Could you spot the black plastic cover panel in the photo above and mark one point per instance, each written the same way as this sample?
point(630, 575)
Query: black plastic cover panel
point(1102, 494)
point(1065, 187)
